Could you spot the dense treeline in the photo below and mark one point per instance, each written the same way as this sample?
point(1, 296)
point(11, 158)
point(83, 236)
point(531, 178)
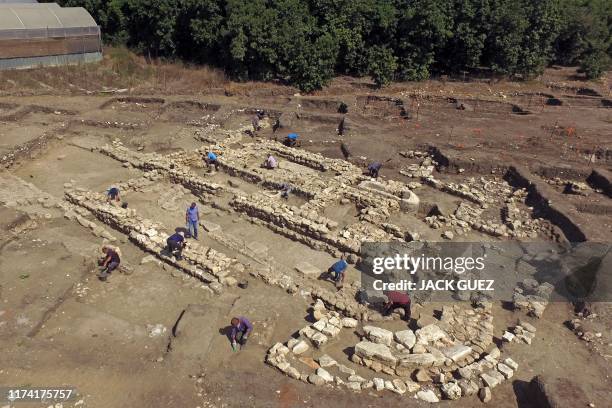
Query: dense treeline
point(306, 42)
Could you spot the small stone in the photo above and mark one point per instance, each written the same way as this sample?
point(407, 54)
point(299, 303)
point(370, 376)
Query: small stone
point(300, 347)
point(411, 386)
point(508, 336)
point(349, 322)
point(451, 390)
point(527, 326)
point(378, 335)
point(427, 396)
point(354, 386)
point(484, 394)
point(326, 361)
point(316, 379)
point(506, 371)
point(422, 375)
point(346, 370)
point(379, 384)
point(405, 338)
point(489, 380)
point(356, 378)
point(293, 373)
point(319, 339)
point(448, 235)
point(325, 375)
point(511, 363)
point(399, 386)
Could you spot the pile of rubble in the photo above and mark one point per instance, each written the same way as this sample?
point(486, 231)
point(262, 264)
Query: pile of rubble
point(466, 218)
point(519, 222)
point(442, 366)
point(422, 170)
point(523, 331)
point(570, 186)
point(532, 297)
point(583, 333)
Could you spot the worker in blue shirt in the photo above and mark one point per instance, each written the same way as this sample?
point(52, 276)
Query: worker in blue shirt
point(291, 140)
point(337, 271)
point(211, 160)
point(192, 218)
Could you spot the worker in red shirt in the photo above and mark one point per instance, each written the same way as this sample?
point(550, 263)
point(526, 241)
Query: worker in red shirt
point(397, 300)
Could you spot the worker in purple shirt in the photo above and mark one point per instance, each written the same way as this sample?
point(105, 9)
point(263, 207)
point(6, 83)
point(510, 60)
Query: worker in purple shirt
point(270, 162)
point(192, 218)
point(241, 328)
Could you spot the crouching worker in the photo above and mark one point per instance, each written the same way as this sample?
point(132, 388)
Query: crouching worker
point(291, 140)
point(374, 169)
point(241, 329)
point(176, 243)
point(270, 163)
point(109, 262)
point(397, 300)
point(285, 190)
point(211, 160)
point(337, 272)
point(113, 195)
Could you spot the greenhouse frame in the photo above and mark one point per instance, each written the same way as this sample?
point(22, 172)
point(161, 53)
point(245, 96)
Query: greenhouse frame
point(45, 34)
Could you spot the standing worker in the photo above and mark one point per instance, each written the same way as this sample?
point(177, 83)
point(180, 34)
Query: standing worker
point(291, 140)
point(176, 243)
point(337, 271)
point(192, 218)
point(374, 168)
point(255, 121)
point(241, 328)
point(211, 160)
point(396, 300)
point(113, 195)
point(109, 263)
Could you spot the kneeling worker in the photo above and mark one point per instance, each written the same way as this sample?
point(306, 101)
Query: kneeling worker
point(109, 263)
point(270, 163)
point(113, 195)
point(291, 140)
point(241, 328)
point(176, 243)
point(211, 160)
point(396, 300)
point(373, 169)
point(337, 271)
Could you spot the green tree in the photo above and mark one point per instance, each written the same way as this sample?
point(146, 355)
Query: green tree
point(151, 26)
point(585, 36)
point(382, 64)
point(423, 29)
point(471, 23)
point(199, 30)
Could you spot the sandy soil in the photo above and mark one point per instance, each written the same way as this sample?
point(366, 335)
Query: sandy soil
point(59, 325)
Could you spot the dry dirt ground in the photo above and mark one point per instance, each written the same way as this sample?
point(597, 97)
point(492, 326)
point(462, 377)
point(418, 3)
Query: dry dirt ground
point(59, 325)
